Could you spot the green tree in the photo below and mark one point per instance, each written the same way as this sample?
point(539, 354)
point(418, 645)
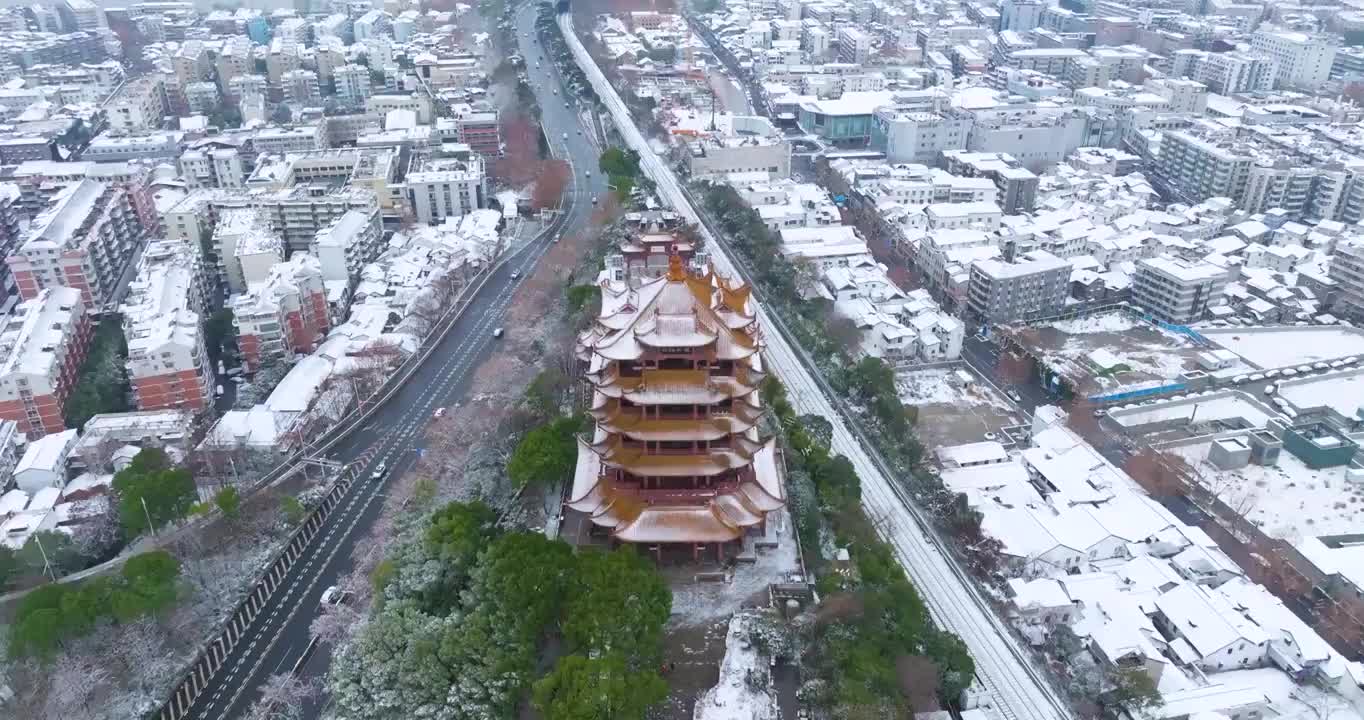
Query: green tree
point(102, 386)
point(229, 502)
point(1133, 690)
point(542, 397)
point(617, 161)
point(839, 486)
point(871, 375)
point(528, 573)
point(582, 296)
point(588, 689)
point(46, 547)
point(148, 585)
point(151, 488)
point(455, 536)
point(546, 453)
point(618, 605)
point(293, 510)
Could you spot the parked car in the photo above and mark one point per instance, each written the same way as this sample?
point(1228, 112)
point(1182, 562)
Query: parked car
point(335, 596)
point(439, 413)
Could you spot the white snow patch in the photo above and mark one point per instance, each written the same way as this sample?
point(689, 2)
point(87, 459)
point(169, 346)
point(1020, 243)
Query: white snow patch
point(741, 691)
point(696, 603)
point(1342, 392)
point(1218, 407)
point(936, 386)
point(1290, 501)
point(1286, 347)
point(1105, 322)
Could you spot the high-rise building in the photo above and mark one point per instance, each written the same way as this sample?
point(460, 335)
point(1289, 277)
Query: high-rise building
point(352, 84)
point(1304, 60)
point(1020, 15)
point(301, 88)
point(284, 314)
point(676, 461)
point(854, 46)
point(84, 240)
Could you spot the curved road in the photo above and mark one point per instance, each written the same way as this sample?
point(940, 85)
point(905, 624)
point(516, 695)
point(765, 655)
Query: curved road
point(277, 639)
point(1018, 691)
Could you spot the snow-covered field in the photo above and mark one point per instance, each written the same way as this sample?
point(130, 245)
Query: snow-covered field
point(935, 386)
point(1285, 347)
point(1222, 406)
point(1291, 501)
point(1105, 322)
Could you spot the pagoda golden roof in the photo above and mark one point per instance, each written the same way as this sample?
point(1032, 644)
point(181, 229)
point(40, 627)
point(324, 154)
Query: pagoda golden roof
point(676, 387)
point(717, 516)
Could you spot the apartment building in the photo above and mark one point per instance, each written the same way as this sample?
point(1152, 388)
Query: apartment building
point(1347, 270)
point(285, 314)
point(84, 240)
point(284, 140)
point(1304, 60)
point(1198, 165)
point(1017, 185)
point(1000, 291)
point(352, 84)
point(296, 214)
point(139, 106)
point(42, 346)
point(347, 245)
point(1020, 15)
point(854, 46)
point(202, 97)
point(152, 146)
point(477, 128)
point(301, 88)
point(235, 60)
point(447, 188)
point(243, 233)
point(1176, 290)
point(168, 365)
point(11, 233)
point(221, 168)
point(918, 136)
point(1227, 73)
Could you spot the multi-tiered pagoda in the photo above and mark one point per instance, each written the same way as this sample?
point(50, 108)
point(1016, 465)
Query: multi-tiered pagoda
point(675, 460)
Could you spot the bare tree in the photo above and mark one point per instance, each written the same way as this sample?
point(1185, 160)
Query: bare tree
point(1013, 368)
point(335, 622)
point(283, 697)
point(918, 677)
point(550, 184)
point(1154, 472)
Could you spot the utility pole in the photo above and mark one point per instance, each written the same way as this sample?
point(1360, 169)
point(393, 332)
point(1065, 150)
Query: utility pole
point(148, 513)
point(46, 565)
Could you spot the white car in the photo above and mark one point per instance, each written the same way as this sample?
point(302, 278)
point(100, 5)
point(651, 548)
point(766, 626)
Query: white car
point(1100, 412)
point(439, 413)
point(1257, 377)
point(335, 596)
point(1240, 379)
point(1269, 389)
point(1321, 366)
point(497, 333)
point(1289, 372)
point(379, 471)
point(1272, 374)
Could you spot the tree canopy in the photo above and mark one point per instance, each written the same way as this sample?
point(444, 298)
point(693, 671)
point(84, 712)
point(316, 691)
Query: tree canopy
point(583, 688)
point(546, 453)
point(53, 613)
point(150, 487)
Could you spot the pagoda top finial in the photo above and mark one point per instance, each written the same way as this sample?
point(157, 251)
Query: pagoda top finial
point(676, 273)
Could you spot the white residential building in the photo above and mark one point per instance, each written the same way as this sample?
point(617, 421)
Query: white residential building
point(1304, 60)
point(347, 245)
point(447, 188)
point(352, 84)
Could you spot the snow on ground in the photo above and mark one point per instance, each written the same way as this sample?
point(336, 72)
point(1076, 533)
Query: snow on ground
point(695, 603)
point(733, 696)
point(1222, 406)
point(937, 386)
point(1290, 501)
point(1104, 322)
point(1273, 347)
point(1342, 392)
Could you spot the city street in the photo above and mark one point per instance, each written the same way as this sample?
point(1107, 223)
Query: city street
point(277, 640)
